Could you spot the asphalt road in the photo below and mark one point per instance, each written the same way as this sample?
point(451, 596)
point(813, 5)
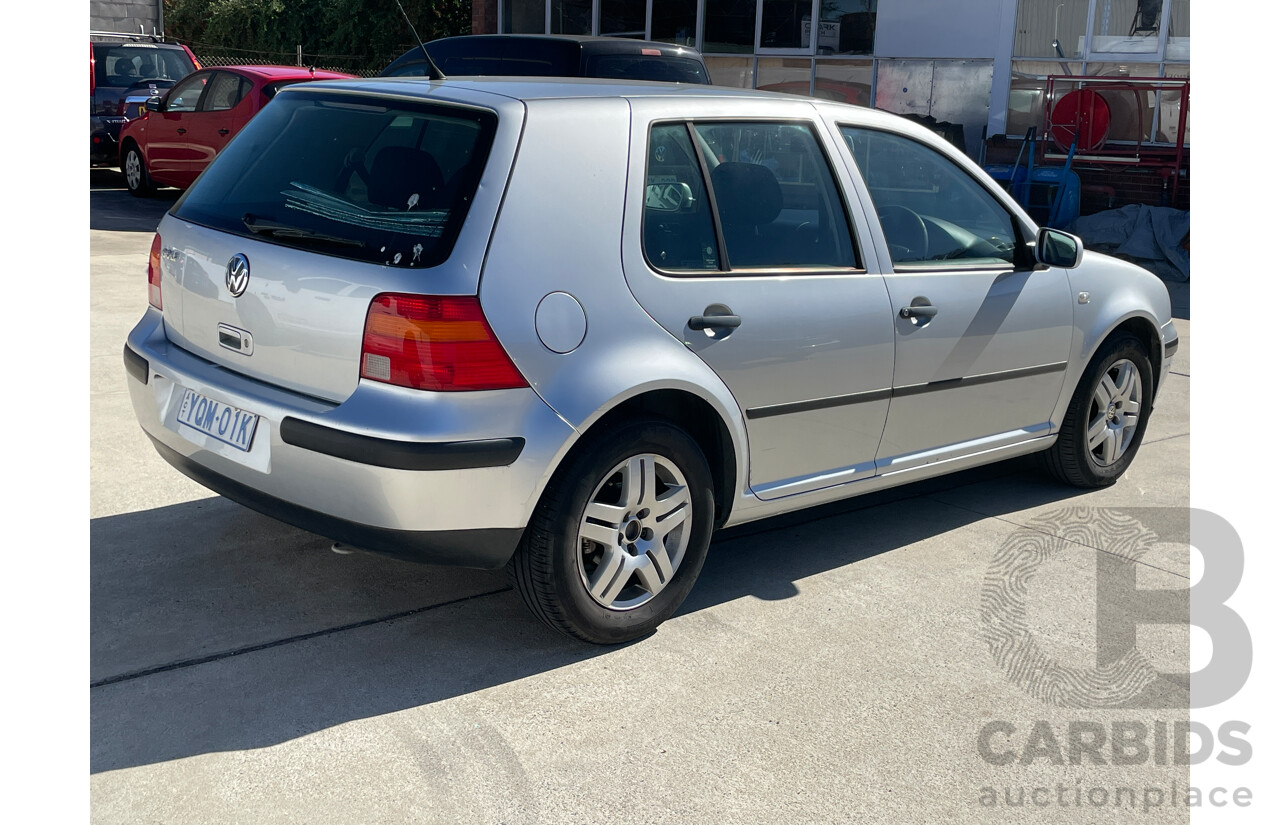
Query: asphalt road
point(830, 666)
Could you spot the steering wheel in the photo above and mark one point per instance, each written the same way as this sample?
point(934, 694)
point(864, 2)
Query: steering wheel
point(905, 233)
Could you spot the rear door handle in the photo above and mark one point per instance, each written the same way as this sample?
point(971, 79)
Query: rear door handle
point(715, 322)
point(224, 132)
point(182, 131)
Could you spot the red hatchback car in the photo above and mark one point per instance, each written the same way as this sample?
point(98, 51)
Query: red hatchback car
point(179, 133)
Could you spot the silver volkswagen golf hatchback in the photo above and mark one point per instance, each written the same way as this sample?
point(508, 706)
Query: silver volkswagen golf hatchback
point(575, 327)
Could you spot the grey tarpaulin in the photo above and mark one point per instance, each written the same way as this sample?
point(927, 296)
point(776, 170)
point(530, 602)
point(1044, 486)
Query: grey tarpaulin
point(1149, 235)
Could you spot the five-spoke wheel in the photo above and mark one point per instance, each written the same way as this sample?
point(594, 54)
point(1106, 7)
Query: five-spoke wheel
point(620, 534)
point(1107, 416)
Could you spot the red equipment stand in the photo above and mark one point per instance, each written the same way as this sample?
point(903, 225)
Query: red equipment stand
point(1085, 114)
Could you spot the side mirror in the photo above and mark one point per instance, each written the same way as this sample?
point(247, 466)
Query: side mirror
point(668, 197)
point(153, 104)
point(1057, 248)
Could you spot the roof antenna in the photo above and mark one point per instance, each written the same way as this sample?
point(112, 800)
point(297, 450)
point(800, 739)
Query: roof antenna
point(434, 72)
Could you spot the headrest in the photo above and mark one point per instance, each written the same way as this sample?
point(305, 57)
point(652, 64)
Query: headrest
point(399, 173)
point(747, 194)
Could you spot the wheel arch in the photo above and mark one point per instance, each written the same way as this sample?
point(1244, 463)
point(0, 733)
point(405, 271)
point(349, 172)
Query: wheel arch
point(692, 413)
point(1141, 325)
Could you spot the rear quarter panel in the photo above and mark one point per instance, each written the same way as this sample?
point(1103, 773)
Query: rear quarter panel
point(560, 229)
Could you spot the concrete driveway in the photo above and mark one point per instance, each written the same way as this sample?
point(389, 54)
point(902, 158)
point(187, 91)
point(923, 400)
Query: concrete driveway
point(828, 667)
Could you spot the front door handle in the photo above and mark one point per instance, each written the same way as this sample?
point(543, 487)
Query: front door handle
point(224, 132)
point(182, 131)
point(921, 311)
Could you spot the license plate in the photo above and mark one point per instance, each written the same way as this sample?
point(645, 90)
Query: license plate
point(228, 424)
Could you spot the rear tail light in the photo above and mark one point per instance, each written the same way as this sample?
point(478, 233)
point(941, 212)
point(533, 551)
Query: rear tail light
point(192, 55)
point(153, 274)
point(434, 342)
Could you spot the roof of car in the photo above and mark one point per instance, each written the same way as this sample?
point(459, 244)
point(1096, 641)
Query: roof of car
point(549, 88)
point(284, 72)
point(572, 38)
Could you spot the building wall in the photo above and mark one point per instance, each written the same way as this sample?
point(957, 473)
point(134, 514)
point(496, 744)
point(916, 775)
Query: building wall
point(484, 16)
point(932, 28)
point(125, 16)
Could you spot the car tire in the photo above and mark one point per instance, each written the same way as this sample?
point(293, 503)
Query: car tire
point(620, 534)
point(134, 168)
point(1107, 418)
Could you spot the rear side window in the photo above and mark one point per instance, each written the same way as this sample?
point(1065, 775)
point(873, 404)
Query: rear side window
point(775, 202)
point(678, 230)
point(127, 65)
point(386, 183)
point(225, 92)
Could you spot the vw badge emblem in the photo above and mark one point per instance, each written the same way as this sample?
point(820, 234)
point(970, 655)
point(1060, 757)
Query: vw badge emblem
point(237, 275)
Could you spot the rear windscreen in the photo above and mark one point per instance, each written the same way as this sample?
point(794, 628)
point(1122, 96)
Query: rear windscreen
point(376, 181)
point(646, 67)
point(496, 56)
point(127, 65)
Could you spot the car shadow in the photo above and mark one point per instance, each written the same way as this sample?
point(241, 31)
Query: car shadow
point(113, 209)
point(384, 652)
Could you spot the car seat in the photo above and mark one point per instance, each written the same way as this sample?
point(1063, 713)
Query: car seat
point(406, 178)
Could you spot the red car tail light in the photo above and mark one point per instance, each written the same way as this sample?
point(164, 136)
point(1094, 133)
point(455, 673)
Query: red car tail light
point(153, 274)
point(434, 342)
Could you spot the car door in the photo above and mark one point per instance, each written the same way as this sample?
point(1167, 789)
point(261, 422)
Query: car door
point(219, 116)
point(745, 250)
point(167, 150)
point(982, 334)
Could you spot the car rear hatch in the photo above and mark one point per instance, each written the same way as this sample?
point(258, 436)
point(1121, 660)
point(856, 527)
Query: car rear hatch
point(326, 199)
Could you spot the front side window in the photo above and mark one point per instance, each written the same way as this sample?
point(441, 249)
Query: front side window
point(368, 179)
point(185, 97)
point(931, 210)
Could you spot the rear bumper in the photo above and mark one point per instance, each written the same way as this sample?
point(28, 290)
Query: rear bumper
point(447, 478)
point(484, 548)
point(104, 140)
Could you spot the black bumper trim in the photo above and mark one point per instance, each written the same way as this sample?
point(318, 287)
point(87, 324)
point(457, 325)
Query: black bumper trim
point(401, 455)
point(136, 365)
point(486, 549)
point(1170, 348)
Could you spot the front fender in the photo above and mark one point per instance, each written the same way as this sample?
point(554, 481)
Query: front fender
point(1114, 292)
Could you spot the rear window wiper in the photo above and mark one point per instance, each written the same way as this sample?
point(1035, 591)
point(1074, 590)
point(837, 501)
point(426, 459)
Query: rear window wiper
point(260, 226)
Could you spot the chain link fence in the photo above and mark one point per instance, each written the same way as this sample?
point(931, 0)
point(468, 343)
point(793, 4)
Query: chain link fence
point(361, 65)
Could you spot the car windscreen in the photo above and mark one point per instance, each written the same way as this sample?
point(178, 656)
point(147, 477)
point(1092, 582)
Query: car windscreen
point(385, 182)
point(646, 67)
point(126, 65)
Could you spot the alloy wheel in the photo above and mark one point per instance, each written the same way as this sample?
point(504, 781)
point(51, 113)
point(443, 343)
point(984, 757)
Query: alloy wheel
point(1114, 412)
point(133, 169)
point(634, 532)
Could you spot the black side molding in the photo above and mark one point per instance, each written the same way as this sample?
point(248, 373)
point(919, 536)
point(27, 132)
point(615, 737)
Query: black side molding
point(136, 365)
point(400, 455)
point(1170, 348)
point(486, 549)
